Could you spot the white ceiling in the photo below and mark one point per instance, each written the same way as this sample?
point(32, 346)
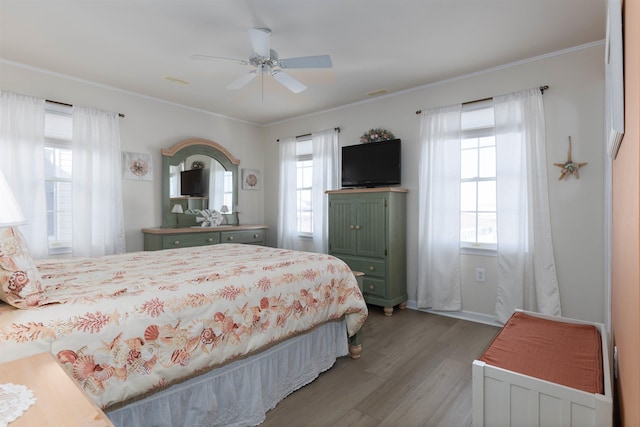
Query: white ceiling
point(395, 45)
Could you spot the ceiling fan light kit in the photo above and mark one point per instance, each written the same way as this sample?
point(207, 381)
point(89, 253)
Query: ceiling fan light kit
point(266, 62)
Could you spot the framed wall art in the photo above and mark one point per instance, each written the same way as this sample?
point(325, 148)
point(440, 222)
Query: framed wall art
point(614, 78)
point(137, 166)
point(251, 179)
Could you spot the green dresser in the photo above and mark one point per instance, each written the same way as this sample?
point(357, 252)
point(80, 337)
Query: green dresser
point(168, 238)
point(367, 230)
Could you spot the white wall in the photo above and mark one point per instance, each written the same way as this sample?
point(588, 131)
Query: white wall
point(149, 126)
point(573, 106)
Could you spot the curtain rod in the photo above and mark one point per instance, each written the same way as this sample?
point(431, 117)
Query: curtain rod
point(308, 134)
point(542, 89)
point(71, 105)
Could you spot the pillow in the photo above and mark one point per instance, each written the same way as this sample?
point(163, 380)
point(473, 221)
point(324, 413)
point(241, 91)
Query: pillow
point(20, 281)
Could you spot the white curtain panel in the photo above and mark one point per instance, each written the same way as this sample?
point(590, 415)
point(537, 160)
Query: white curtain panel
point(22, 162)
point(526, 268)
point(98, 220)
point(287, 216)
point(326, 161)
point(439, 210)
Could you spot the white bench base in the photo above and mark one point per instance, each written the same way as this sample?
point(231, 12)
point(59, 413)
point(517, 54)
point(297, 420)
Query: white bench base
point(507, 398)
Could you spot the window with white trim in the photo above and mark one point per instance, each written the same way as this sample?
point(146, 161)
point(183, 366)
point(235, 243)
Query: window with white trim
point(478, 220)
point(304, 178)
point(58, 160)
point(227, 198)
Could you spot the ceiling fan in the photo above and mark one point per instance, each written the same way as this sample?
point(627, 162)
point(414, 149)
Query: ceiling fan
point(266, 62)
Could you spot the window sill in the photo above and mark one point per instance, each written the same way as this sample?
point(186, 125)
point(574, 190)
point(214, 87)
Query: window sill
point(478, 250)
point(58, 249)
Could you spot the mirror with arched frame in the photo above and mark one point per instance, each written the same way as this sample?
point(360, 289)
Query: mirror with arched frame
point(198, 174)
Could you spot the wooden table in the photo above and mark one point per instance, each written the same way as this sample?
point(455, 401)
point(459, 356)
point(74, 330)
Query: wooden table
point(59, 399)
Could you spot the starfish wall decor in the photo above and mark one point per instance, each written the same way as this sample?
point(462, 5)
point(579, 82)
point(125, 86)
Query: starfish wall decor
point(570, 167)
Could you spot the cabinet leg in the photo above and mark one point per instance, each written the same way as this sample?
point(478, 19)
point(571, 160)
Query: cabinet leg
point(355, 350)
point(355, 345)
point(402, 305)
point(388, 311)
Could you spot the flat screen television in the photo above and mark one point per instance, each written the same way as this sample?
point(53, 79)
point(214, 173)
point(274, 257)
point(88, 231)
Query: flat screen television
point(372, 164)
point(192, 183)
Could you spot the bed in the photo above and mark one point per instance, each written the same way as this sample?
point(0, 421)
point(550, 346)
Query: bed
point(141, 329)
point(542, 371)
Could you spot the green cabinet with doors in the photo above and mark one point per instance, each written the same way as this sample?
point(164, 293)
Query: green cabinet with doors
point(367, 230)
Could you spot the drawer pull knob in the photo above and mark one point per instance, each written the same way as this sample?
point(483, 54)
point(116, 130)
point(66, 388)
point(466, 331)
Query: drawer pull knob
point(371, 287)
point(230, 238)
point(255, 236)
point(210, 239)
point(351, 227)
point(176, 242)
point(371, 268)
point(357, 227)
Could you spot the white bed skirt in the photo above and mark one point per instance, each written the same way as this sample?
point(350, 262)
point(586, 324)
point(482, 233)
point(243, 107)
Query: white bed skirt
point(240, 393)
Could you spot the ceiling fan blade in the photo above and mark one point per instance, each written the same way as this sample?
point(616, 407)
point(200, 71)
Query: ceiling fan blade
point(287, 81)
point(319, 61)
point(261, 41)
point(218, 58)
point(241, 81)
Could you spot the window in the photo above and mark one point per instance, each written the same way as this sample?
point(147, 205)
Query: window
point(228, 190)
point(478, 221)
point(304, 177)
point(57, 174)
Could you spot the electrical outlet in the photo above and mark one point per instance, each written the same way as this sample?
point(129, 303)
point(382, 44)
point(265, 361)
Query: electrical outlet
point(480, 275)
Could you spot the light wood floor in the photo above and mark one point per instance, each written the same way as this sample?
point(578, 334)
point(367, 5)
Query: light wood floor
point(415, 370)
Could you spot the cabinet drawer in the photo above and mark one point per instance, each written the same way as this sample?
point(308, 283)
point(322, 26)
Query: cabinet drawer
point(373, 286)
point(370, 267)
point(191, 239)
point(243, 236)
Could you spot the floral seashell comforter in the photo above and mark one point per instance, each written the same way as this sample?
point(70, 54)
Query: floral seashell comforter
point(126, 325)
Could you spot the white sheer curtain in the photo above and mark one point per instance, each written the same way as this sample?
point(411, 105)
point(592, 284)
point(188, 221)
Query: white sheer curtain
point(287, 215)
point(439, 209)
point(22, 162)
point(526, 267)
point(326, 163)
point(98, 220)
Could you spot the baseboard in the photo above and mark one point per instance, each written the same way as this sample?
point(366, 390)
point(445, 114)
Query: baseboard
point(462, 314)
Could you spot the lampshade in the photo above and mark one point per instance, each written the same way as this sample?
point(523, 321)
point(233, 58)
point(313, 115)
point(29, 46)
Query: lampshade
point(224, 209)
point(10, 213)
point(177, 208)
